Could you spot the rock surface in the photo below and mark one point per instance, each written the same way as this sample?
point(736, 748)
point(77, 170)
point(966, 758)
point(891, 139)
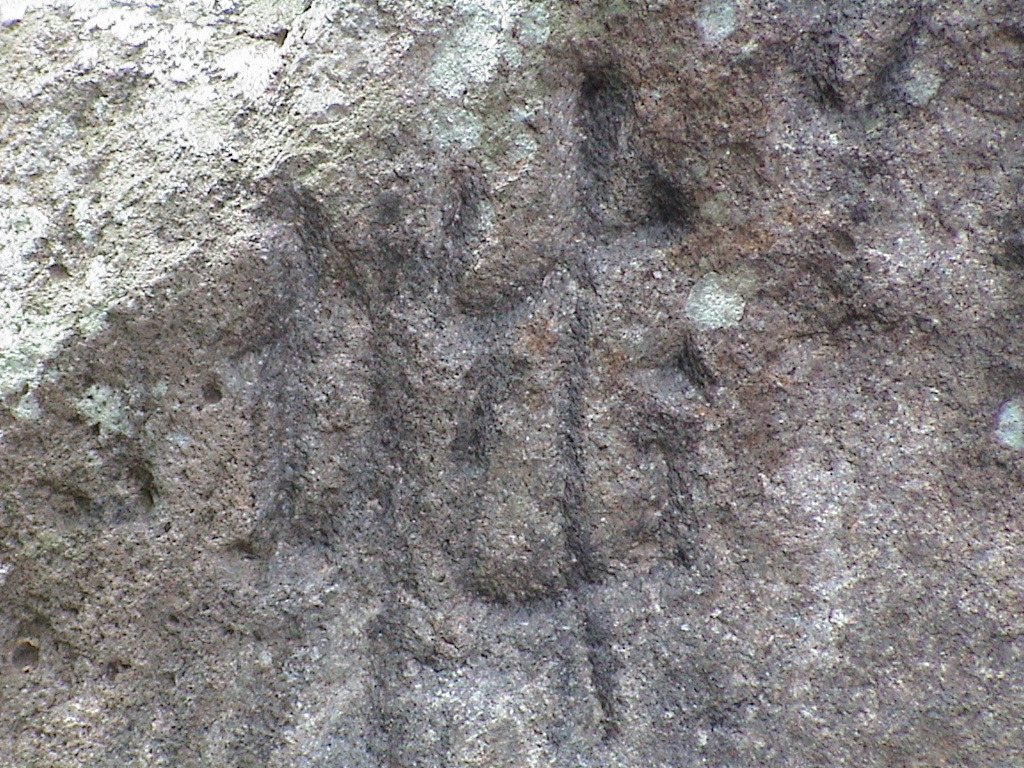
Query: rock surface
point(511, 383)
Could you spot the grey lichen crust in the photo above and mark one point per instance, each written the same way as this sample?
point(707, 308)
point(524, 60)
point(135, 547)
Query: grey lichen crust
point(511, 383)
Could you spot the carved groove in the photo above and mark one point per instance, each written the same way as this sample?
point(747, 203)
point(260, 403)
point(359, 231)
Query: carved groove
point(584, 565)
point(604, 670)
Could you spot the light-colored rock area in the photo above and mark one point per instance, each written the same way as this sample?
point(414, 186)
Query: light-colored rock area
point(511, 383)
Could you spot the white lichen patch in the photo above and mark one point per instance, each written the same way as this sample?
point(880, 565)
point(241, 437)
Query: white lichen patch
point(716, 19)
point(715, 302)
point(108, 169)
point(252, 66)
point(470, 55)
point(489, 34)
point(131, 26)
point(27, 408)
point(457, 125)
point(1010, 423)
point(26, 340)
point(922, 85)
point(23, 337)
point(717, 209)
point(101, 405)
point(21, 227)
point(12, 11)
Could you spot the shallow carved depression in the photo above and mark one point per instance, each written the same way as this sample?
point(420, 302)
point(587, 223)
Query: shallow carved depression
point(25, 654)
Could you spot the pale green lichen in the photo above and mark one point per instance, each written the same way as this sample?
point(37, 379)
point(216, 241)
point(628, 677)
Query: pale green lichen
point(27, 408)
point(717, 209)
point(715, 302)
point(26, 340)
point(489, 34)
point(1010, 424)
point(716, 20)
point(922, 85)
point(470, 55)
point(21, 227)
point(101, 405)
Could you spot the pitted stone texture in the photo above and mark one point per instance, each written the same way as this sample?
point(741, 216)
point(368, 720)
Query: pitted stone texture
point(511, 383)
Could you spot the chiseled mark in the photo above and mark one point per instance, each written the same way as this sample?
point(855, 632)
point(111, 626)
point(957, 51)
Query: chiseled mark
point(1010, 423)
point(716, 19)
point(714, 303)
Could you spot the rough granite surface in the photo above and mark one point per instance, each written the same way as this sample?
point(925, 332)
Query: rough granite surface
point(511, 383)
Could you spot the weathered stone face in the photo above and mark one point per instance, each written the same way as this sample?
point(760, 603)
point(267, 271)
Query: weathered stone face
point(511, 384)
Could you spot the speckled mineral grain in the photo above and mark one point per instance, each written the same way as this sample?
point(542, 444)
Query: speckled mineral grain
point(511, 383)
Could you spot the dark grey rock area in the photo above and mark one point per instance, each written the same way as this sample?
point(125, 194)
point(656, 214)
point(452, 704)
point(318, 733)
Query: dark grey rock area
point(512, 384)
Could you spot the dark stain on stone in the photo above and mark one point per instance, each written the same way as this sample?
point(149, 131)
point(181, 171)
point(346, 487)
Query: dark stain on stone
point(885, 83)
point(461, 214)
point(672, 204)
point(140, 473)
point(690, 362)
point(493, 379)
point(395, 739)
point(211, 391)
point(389, 208)
point(474, 433)
point(605, 102)
point(281, 411)
point(844, 241)
point(604, 670)
point(820, 65)
point(676, 440)
point(1010, 254)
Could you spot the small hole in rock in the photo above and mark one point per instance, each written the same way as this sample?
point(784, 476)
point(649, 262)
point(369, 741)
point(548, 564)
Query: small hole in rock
point(682, 557)
point(212, 392)
point(244, 548)
point(25, 654)
point(114, 667)
point(142, 477)
point(844, 241)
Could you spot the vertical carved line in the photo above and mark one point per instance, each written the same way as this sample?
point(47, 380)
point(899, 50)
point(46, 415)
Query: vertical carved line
point(584, 565)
